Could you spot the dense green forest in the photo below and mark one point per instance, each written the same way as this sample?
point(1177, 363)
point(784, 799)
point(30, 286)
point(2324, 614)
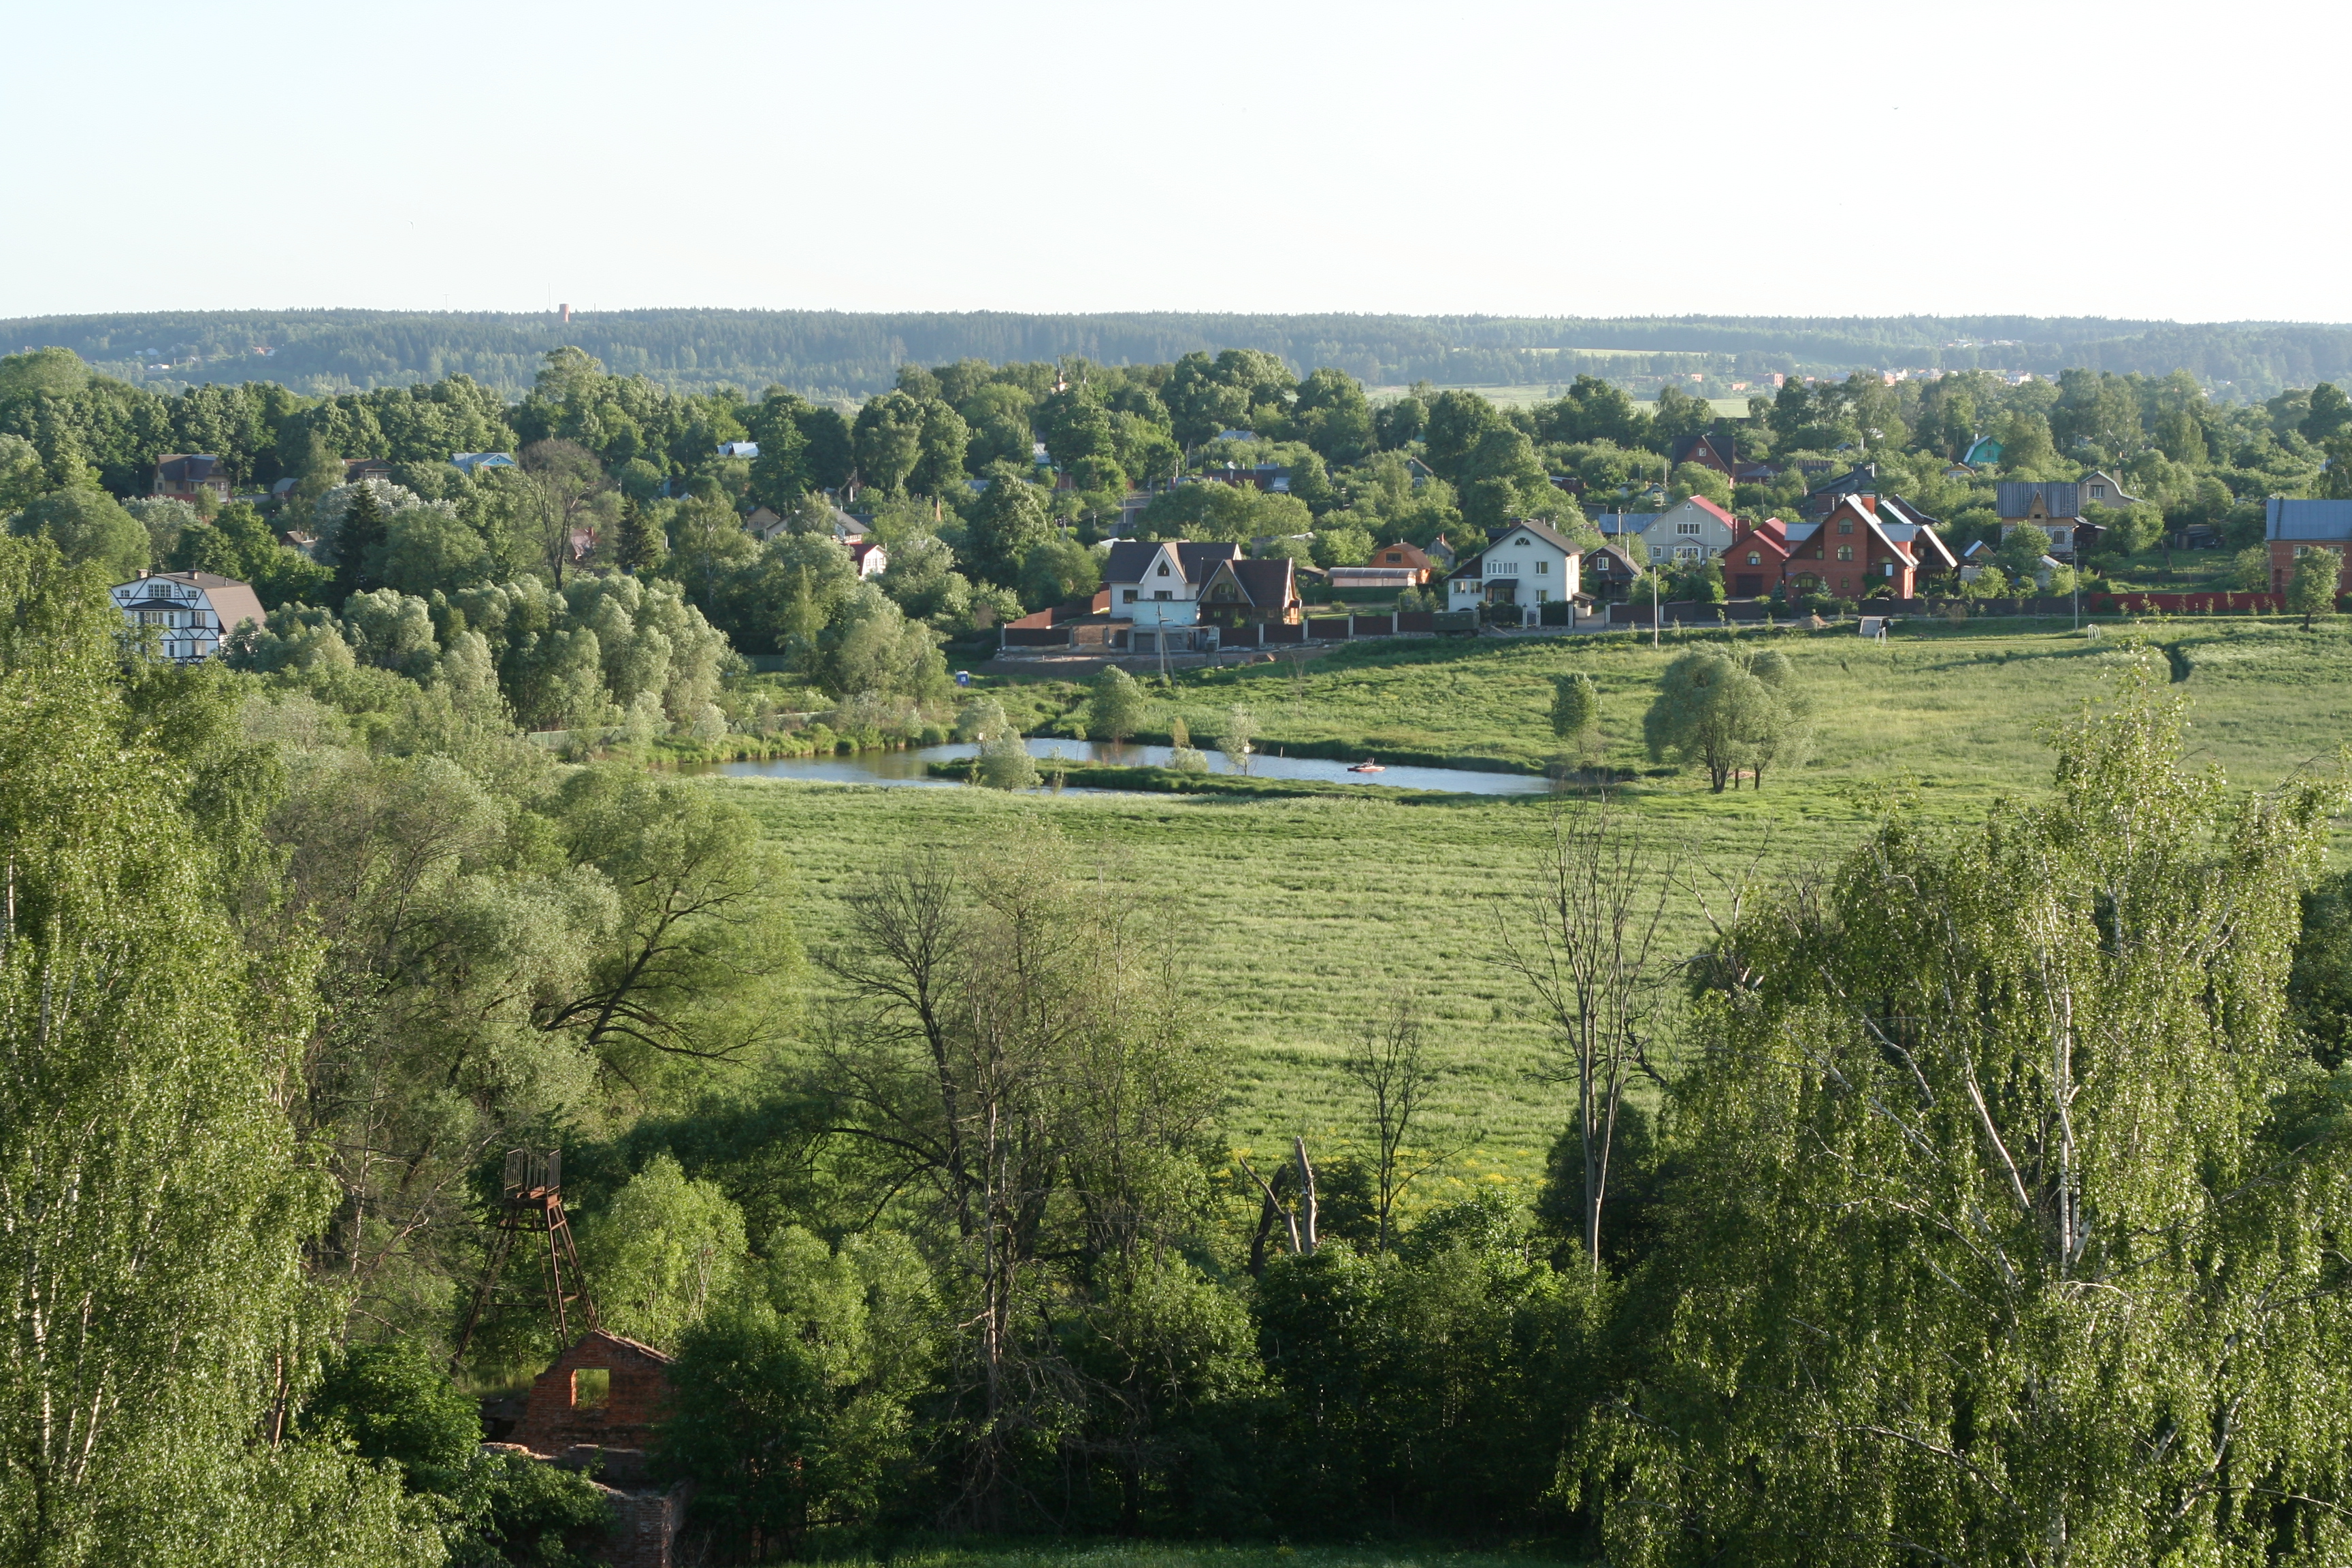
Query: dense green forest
point(1977, 1197)
point(833, 354)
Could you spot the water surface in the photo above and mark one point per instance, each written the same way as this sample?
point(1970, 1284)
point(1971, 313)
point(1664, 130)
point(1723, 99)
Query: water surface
point(907, 768)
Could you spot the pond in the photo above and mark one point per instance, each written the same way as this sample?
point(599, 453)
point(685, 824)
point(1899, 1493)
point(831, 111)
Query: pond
point(909, 768)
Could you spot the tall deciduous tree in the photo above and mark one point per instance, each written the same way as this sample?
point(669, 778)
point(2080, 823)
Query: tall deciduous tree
point(1016, 1049)
point(2018, 1238)
point(2318, 578)
point(152, 1207)
point(566, 481)
point(1589, 950)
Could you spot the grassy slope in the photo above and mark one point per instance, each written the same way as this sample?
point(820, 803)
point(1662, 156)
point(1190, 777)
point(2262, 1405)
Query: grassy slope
point(1304, 913)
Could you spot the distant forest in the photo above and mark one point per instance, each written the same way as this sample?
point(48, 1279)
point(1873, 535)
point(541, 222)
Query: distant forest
point(837, 356)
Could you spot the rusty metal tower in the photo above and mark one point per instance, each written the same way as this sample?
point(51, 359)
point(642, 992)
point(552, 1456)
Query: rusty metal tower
point(530, 1202)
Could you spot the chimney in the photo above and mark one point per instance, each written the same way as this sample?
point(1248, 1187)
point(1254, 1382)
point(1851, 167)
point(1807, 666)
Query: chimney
point(567, 311)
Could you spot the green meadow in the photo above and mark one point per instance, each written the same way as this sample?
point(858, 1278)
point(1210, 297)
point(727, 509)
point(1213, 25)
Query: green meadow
point(1303, 915)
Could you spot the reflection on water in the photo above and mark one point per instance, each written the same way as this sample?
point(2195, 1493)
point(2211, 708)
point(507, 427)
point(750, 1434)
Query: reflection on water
point(909, 768)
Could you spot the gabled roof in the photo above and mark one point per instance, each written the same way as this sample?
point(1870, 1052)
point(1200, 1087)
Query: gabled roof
point(1543, 531)
point(2015, 498)
point(1622, 522)
point(1269, 585)
point(185, 468)
point(1707, 506)
point(1903, 511)
point(2307, 519)
point(1686, 447)
point(1852, 480)
point(1131, 559)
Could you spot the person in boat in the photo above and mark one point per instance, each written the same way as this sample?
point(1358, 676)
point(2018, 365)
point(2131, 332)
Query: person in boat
point(1367, 766)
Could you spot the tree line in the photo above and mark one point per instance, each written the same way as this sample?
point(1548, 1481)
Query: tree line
point(837, 354)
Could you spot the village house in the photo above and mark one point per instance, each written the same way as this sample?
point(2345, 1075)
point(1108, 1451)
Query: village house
point(1610, 571)
point(2291, 529)
point(358, 468)
point(2055, 507)
point(1239, 593)
point(194, 612)
point(2101, 489)
point(1717, 452)
point(1155, 586)
point(1401, 554)
point(1867, 545)
point(867, 556)
point(1527, 566)
point(1858, 480)
point(185, 475)
point(475, 462)
point(1691, 529)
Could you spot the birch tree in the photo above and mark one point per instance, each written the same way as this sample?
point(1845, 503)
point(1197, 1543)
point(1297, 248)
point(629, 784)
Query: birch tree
point(1585, 945)
point(2012, 1206)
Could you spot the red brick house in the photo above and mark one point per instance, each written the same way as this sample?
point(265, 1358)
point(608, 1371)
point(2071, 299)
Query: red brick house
point(1867, 545)
point(2296, 528)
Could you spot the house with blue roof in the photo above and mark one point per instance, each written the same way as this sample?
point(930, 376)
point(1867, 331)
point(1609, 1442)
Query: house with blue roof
point(2295, 527)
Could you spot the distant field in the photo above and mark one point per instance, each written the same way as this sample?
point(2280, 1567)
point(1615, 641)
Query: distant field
point(1529, 394)
point(1303, 915)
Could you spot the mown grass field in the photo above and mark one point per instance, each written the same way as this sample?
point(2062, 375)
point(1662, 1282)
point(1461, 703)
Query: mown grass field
point(1303, 915)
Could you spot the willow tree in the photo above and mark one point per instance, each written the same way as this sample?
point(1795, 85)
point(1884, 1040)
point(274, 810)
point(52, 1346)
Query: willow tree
point(2008, 1222)
point(152, 1207)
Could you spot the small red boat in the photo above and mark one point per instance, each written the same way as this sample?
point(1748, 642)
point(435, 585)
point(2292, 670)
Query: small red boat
point(1366, 766)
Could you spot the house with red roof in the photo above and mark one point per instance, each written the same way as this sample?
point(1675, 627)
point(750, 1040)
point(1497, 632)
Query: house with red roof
point(1867, 545)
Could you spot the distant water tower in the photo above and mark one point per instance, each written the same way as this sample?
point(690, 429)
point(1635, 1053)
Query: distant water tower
point(567, 311)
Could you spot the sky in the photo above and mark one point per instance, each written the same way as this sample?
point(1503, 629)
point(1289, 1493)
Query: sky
point(1469, 157)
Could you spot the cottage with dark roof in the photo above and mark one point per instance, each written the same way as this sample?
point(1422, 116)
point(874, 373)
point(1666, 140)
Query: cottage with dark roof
point(1718, 452)
point(1155, 586)
point(185, 475)
point(1527, 566)
point(2055, 507)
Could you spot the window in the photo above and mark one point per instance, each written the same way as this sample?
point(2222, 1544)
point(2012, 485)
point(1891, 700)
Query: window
point(1128, 595)
point(1657, 552)
point(1845, 525)
point(1394, 559)
point(1163, 594)
point(1753, 559)
point(1501, 568)
point(1543, 568)
point(1845, 552)
point(1542, 597)
point(1163, 569)
point(2098, 492)
point(1690, 552)
point(1686, 528)
point(1520, 542)
point(592, 1387)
